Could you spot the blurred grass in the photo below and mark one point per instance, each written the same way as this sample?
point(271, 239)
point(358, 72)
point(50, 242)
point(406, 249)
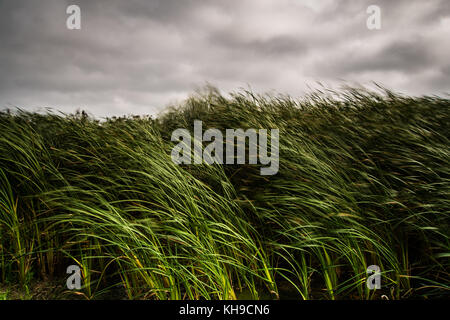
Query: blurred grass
point(363, 179)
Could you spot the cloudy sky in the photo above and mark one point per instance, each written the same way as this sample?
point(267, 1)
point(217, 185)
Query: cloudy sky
point(138, 56)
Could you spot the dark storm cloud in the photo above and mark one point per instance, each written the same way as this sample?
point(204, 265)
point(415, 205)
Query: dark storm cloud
point(276, 46)
point(408, 56)
point(137, 56)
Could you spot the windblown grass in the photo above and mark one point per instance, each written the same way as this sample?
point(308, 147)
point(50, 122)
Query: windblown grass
point(363, 180)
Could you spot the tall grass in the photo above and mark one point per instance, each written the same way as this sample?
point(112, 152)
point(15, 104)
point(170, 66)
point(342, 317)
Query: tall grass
point(363, 180)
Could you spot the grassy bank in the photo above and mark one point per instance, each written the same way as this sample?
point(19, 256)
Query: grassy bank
point(364, 179)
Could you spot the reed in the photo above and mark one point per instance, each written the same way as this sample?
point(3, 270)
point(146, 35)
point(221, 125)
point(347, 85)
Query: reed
point(363, 179)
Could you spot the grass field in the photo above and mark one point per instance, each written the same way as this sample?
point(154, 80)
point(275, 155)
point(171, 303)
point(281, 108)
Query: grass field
point(364, 179)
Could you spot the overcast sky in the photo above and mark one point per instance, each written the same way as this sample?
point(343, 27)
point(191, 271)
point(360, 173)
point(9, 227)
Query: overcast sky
point(138, 56)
